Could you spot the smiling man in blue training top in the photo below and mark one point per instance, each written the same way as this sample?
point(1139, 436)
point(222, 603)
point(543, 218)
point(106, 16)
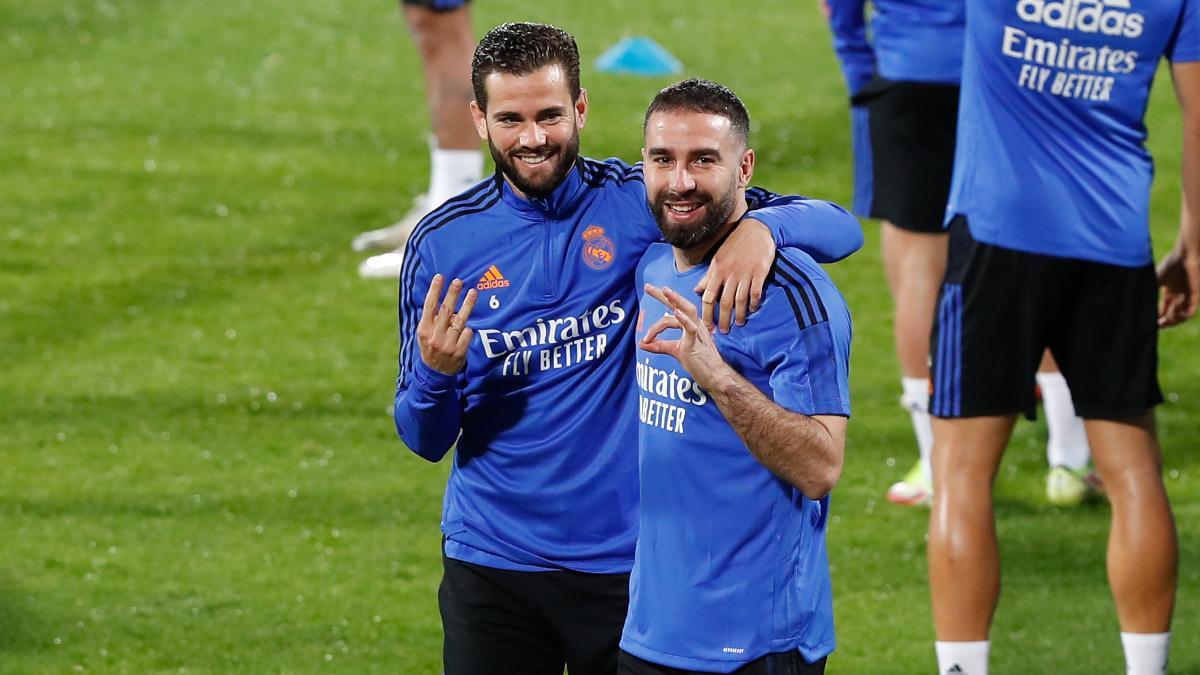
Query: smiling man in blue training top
point(741, 435)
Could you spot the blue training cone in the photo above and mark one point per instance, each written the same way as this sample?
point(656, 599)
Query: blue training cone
point(638, 56)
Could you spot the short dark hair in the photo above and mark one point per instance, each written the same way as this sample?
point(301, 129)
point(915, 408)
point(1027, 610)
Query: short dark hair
point(521, 48)
point(703, 96)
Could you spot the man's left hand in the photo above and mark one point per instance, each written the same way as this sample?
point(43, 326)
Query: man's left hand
point(1179, 277)
point(695, 350)
point(733, 285)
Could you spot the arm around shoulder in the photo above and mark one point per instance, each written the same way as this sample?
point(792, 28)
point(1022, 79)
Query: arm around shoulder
point(822, 229)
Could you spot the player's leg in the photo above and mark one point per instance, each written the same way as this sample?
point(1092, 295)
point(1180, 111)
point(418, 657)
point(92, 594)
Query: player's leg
point(1069, 479)
point(587, 612)
point(1142, 549)
point(910, 158)
point(492, 624)
point(964, 561)
point(445, 42)
point(914, 263)
point(986, 345)
point(1110, 358)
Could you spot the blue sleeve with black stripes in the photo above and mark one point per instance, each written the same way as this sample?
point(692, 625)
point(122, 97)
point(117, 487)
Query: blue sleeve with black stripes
point(822, 229)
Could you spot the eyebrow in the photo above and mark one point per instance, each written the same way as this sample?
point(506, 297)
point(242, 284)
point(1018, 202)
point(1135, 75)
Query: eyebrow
point(701, 152)
point(541, 114)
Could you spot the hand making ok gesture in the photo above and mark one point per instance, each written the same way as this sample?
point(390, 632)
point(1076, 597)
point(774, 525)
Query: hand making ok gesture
point(443, 334)
point(695, 349)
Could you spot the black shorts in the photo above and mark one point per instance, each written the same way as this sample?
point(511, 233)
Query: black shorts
point(999, 309)
point(904, 165)
point(500, 622)
point(437, 5)
point(784, 663)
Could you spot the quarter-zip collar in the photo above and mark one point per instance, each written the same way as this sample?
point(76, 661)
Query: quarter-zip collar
point(558, 205)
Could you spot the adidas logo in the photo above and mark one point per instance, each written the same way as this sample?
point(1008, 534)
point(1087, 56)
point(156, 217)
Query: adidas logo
point(492, 279)
point(1109, 17)
point(955, 669)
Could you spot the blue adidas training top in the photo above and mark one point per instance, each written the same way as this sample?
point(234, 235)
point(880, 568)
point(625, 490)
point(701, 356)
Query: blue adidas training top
point(731, 562)
point(545, 472)
point(1051, 156)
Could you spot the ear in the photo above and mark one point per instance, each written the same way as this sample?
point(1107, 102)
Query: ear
point(581, 108)
point(480, 119)
point(746, 168)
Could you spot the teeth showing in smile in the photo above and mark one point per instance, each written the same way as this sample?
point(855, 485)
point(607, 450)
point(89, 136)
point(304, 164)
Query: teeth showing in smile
point(533, 160)
point(683, 208)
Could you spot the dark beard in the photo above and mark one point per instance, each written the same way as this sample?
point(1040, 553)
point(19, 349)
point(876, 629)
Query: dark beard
point(565, 156)
point(689, 237)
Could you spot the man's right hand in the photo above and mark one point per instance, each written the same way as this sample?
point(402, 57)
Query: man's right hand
point(443, 334)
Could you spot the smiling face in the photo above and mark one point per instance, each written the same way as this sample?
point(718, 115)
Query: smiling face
point(532, 127)
point(696, 172)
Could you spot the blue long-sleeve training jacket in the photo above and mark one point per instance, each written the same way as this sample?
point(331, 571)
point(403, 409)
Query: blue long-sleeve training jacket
point(545, 417)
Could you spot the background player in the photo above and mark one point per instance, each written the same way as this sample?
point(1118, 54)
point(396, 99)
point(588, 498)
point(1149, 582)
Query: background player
point(1071, 478)
point(742, 435)
point(442, 32)
point(904, 86)
point(1056, 253)
point(539, 514)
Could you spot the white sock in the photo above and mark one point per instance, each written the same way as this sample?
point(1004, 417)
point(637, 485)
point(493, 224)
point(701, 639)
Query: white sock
point(1146, 653)
point(916, 399)
point(967, 658)
point(1068, 444)
point(451, 172)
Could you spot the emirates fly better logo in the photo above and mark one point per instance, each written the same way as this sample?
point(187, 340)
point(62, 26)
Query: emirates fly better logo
point(1088, 62)
point(1108, 17)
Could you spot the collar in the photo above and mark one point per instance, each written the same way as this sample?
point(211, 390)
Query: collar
point(558, 204)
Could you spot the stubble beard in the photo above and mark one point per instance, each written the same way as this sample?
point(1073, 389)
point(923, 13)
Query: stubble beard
point(565, 155)
point(688, 237)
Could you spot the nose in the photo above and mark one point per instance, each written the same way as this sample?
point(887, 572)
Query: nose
point(533, 135)
point(681, 179)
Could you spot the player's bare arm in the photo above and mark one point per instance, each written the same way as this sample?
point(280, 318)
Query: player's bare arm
point(1179, 271)
point(443, 334)
point(805, 451)
point(732, 287)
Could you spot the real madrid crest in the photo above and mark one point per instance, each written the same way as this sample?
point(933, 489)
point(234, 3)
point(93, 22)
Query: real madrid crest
point(598, 250)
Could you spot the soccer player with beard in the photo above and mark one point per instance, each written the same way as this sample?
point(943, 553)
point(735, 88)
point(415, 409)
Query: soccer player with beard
point(1050, 247)
point(741, 435)
point(532, 374)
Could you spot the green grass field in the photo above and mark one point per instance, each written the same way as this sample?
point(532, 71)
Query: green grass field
point(199, 469)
